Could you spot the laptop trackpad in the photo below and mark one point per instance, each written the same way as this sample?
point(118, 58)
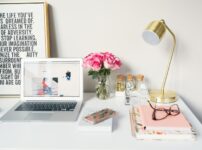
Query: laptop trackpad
point(38, 116)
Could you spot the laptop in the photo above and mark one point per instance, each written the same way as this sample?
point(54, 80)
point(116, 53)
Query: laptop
point(51, 90)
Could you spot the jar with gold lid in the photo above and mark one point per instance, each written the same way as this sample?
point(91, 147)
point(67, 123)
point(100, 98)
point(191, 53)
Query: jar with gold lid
point(129, 88)
point(139, 81)
point(120, 83)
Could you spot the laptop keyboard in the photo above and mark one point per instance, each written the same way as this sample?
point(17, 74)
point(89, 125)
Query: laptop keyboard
point(46, 106)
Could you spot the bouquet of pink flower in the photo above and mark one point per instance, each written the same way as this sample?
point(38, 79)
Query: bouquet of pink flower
point(101, 63)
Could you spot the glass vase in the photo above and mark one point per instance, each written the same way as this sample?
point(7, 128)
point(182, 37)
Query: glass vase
point(103, 87)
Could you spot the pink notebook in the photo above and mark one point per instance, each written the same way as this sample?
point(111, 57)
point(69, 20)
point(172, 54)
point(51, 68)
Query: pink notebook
point(178, 122)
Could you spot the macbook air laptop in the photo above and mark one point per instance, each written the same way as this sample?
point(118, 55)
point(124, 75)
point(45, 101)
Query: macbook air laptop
point(51, 90)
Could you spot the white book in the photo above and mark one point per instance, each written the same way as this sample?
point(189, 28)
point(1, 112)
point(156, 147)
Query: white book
point(165, 136)
point(104, 126)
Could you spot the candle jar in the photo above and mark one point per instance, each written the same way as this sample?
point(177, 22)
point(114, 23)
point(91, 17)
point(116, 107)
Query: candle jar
point(120, 83)
point(139, 81)
point(130, 86)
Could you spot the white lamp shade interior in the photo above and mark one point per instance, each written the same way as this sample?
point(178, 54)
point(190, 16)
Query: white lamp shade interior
point(151, 37)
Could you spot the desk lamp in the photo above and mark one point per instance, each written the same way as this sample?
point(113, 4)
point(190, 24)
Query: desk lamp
point(153, 35)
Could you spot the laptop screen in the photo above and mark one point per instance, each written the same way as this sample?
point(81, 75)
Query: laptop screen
point(52, 78)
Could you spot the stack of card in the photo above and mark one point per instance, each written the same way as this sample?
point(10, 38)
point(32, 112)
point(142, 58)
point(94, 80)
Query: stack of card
point(100, 120)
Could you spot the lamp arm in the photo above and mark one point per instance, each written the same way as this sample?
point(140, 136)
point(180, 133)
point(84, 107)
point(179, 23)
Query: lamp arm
point(169, 61)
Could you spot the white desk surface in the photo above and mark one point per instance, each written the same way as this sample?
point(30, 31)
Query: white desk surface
point(61, 135)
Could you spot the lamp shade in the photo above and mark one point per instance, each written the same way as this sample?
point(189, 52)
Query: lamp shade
point(154, 32)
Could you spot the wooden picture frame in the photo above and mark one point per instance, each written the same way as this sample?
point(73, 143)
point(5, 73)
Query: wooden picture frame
point(24, 33)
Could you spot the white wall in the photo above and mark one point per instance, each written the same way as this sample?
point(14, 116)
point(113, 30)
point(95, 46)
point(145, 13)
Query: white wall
point(79, 27)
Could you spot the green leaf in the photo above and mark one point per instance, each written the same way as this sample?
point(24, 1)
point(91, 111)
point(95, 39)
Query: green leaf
point(93, 73)
point(104, 71)
point(101, 72)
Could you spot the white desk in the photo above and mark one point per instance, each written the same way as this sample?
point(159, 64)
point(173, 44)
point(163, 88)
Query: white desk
point(59, 135)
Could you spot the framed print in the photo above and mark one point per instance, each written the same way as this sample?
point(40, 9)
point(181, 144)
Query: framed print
point(23, 34)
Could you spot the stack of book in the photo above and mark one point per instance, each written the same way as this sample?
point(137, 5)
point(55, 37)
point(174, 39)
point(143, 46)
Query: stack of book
point(143, 127)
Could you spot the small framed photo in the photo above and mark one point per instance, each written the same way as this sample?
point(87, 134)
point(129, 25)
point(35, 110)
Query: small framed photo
point(24, 33)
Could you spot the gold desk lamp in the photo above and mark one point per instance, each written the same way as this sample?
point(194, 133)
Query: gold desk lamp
point(152, 35)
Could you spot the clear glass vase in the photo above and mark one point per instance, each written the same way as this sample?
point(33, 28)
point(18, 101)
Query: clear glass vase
point(103, 87)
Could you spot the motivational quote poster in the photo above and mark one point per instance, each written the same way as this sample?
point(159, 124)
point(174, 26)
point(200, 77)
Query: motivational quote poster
point(22, 35)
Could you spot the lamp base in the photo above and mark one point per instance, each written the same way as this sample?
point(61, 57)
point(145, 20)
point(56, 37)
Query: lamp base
point(168, 97)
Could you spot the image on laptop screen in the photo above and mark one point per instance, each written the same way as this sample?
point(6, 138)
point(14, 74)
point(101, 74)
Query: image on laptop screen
point(52, 79)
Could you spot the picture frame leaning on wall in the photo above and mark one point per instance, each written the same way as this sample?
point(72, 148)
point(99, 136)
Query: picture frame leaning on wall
point(24, 33)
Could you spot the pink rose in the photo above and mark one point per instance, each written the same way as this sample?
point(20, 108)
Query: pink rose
point(87, 61)
point(96, 65)
point(96, 61)
point(93, 61)
point(111, 62)
point(108, 60)
point(117, 64)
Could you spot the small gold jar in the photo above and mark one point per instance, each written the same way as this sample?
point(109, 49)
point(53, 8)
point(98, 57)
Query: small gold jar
point(120, 83)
